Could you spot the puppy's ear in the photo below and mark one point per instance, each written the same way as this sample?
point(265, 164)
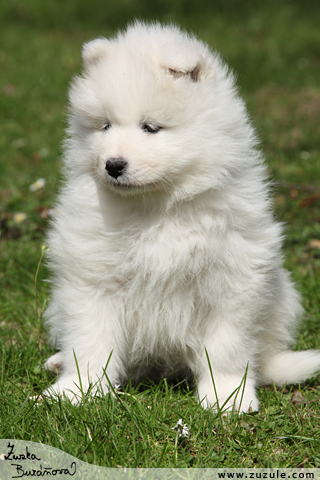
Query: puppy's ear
point(94, 50)
point(192, 73)
point(184, 63)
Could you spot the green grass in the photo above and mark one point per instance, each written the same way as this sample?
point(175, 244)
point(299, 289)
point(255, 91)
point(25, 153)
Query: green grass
point(275, 49)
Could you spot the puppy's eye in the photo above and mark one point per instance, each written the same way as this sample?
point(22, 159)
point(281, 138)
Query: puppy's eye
point(106, 126)
point(150, 128)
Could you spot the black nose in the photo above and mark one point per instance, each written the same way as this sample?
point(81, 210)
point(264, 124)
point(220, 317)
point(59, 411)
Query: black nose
point(115, 167)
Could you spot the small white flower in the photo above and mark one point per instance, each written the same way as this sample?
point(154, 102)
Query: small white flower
point(44, 153)
point(2, 456)
point(19, 217)
point(305, 155)
point(40, 183)
point(19, 143)
point(182, 428)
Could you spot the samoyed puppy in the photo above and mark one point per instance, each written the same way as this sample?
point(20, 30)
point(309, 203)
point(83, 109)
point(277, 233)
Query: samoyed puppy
point(165, 252)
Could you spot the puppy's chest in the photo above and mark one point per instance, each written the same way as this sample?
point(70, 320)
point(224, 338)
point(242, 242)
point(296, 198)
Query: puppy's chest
point(155, 256)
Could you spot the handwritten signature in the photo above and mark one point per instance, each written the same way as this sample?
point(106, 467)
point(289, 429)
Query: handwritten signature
point(41, 471)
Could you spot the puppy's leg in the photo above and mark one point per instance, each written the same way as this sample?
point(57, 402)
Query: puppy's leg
point(240, 389)
point(90, 338)
point(85, 371)
point(231, 361)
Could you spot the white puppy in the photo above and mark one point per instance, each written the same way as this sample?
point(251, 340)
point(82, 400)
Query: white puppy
point(165, 245)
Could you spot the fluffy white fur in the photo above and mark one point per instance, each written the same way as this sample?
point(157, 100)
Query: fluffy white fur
point(180, 253)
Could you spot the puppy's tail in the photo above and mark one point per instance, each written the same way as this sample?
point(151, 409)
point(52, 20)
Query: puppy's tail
point(290, 367)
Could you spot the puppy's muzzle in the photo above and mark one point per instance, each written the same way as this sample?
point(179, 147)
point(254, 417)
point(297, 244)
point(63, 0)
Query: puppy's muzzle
point(116, 167)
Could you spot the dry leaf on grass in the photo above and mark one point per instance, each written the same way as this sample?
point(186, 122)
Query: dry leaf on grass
point(314, 243)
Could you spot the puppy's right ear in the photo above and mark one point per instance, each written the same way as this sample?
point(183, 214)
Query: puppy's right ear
point(94, 50)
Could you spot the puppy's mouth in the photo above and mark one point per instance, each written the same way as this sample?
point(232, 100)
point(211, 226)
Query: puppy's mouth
point(136, 186)
point(122, 184)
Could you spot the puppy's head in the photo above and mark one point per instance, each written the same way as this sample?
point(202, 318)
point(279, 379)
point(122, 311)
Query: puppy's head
point(149, 112)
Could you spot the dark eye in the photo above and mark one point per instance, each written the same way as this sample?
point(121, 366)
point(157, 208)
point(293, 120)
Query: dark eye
point(150, 128)
point(106, 126)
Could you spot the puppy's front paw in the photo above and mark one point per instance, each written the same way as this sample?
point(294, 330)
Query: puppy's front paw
point(243, 398)
point(66, 387)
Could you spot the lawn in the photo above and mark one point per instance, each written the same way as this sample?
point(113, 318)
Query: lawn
point(274, 47)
